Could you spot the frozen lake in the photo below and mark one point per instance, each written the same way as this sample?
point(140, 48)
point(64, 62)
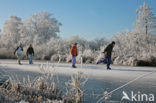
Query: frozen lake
point(99, 79)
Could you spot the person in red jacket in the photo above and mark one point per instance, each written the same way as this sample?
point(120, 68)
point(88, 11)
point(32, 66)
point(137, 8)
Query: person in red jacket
point(74, 53)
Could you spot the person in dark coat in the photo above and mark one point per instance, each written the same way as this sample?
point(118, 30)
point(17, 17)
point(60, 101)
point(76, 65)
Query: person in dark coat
point(107, 55)
point(30, 54)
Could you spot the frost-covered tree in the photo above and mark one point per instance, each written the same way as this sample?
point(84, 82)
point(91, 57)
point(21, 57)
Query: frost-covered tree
point(0, 34)
point(40, 28)
point(0, 37)
point(10, 36)
point(146, 21)
point(145, 29)
point(97, 43)
point(82, 43)
point(138, 43)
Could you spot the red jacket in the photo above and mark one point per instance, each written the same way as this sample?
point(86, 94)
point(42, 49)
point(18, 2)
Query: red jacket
point(73, 50)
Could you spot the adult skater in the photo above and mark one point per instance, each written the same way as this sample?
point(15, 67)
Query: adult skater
point(107, 55)
point(30, 54)
point(18, 52)
point(74, 53)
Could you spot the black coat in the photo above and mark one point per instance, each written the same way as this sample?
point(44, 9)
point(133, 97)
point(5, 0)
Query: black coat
point(108, 50)
point(30, 50)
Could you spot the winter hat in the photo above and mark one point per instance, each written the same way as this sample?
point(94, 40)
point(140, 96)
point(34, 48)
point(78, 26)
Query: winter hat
point(113, 42)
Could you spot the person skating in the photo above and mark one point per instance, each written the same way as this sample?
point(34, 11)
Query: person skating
point(74, 53)
point(30, 54)
point(107, 55)
point(18, 52)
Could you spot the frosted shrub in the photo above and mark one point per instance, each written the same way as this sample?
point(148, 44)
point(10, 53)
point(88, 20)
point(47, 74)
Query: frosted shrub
point(40, 84)
point(69, 58)
point(75, 88)
point(118, 60)
point(88, 56)
point(23, 102)
point(54, 58)
point(62, 58)
point(132, 61)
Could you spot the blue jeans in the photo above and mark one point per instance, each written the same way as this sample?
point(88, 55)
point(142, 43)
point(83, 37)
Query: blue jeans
point(107, 59)
point(73, 60)
point(30, 58)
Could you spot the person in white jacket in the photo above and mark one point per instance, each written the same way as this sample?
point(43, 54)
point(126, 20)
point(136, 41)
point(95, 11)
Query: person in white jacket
point(18, 52)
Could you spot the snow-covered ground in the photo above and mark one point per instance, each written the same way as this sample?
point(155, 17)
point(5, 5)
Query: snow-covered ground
point(99, 79)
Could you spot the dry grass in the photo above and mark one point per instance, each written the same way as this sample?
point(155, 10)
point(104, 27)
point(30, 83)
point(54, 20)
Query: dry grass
point(75, 88)
point(42, 89)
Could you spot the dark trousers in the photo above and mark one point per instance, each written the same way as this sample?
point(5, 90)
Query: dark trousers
point(107, 59)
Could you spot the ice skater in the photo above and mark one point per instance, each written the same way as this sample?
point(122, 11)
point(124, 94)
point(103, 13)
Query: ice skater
point(18, 53)
point(107, 55)
point(30, 54)
point(74, 53)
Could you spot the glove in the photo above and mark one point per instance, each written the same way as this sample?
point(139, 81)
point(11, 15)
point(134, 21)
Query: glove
point(105, 53)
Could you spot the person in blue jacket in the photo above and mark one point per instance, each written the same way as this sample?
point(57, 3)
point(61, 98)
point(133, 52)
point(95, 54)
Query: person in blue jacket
point(18, 52)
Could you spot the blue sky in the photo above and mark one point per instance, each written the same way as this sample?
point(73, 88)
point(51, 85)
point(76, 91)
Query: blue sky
point(87, 18)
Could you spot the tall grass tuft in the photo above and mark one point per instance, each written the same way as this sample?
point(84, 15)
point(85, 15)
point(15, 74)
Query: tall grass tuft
point(75, 86)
